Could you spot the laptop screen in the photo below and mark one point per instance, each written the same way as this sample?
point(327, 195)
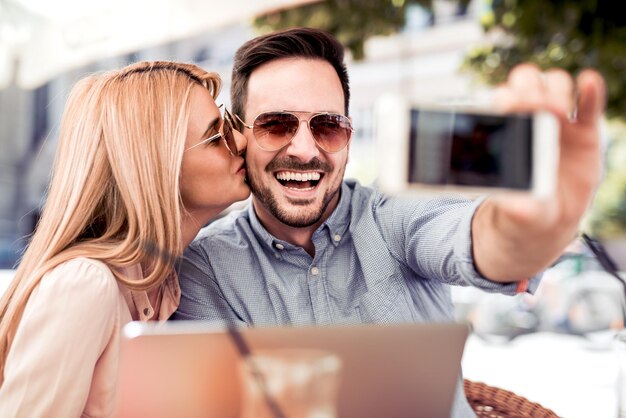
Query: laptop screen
point(193, 369)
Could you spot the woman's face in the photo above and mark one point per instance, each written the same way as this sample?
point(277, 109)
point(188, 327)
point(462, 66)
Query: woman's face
point(211, 178)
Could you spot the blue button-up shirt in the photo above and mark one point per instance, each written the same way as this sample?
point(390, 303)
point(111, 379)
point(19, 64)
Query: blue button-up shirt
point(377, 259)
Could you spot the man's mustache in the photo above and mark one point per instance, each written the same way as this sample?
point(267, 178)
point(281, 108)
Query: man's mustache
point(292, 164)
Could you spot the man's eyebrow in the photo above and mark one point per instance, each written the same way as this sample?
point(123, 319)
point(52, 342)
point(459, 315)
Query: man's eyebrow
point(210, 126)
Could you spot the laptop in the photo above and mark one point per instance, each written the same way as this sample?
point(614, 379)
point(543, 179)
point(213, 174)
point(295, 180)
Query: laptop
point(191, 368)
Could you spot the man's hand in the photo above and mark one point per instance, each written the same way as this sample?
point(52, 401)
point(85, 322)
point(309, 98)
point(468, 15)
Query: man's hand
point(515, 237)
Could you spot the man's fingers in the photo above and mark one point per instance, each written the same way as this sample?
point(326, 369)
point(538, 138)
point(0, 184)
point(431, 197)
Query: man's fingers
point(522, 88)
point(524, 76)
point(560, 93)
point(591, 97)
point(529, 89)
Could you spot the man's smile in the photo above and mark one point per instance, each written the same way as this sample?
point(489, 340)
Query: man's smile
point(299, 180)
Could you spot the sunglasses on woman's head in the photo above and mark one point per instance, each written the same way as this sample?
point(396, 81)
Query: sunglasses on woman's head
point(275, 130)
point(225, 132)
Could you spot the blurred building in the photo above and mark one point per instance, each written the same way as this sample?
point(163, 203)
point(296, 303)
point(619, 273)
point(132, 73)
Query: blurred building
point(422, 62)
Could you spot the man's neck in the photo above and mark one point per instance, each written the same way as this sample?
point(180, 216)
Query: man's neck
point(301, 237)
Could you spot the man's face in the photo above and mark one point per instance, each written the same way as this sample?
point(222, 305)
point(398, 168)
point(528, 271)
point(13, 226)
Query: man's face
point(298, 184)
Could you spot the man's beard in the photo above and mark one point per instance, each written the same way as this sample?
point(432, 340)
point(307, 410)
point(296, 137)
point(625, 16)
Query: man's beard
point(307, 216)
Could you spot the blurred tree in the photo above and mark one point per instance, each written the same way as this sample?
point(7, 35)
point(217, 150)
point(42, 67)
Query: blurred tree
point(571, 35)
point(607, 217)
point(351, 21)
point(567, 34)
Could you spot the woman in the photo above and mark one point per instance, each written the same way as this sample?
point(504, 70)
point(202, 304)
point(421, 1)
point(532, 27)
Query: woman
point(144, 161)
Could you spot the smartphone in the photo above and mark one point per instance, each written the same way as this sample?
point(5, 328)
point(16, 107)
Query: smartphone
point(463, 149)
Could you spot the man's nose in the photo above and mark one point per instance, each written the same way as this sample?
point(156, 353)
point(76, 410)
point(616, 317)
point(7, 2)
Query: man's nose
point(303, 146)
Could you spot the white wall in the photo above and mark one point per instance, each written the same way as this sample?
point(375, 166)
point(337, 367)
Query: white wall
point(5, 279)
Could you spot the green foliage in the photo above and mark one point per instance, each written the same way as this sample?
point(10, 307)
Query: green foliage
point(572, 35)
point(567, 34)
point(351, 21)
point(607, 217)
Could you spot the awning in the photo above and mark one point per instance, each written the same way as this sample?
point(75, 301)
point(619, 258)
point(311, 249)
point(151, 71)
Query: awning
point(40, 39)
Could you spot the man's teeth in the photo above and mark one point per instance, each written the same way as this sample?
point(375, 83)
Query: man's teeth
point(291, 176)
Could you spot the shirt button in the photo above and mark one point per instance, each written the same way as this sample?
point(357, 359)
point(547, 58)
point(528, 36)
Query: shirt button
point(280, 246)
point(315, 271)
point(337, 238)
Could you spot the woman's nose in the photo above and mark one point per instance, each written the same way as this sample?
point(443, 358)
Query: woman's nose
point(241, 141)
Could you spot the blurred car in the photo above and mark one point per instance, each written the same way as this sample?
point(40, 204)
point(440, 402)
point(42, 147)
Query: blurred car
point(575, 297)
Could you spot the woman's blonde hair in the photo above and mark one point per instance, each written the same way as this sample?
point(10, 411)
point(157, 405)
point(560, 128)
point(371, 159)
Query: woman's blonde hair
point(114, 194)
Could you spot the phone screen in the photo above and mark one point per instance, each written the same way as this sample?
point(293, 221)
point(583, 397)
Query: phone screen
point(465, 149)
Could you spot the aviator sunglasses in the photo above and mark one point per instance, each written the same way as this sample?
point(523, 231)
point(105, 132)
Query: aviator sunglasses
point(225, 132)
point(274, 130)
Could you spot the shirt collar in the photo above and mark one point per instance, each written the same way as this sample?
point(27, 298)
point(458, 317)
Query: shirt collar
point(138, 300)
point(338, 221)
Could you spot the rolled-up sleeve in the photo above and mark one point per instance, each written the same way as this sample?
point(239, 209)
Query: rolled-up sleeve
point(465, 268)
point(434, 238)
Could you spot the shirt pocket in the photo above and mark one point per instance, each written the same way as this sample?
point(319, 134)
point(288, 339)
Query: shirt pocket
point(386, 302)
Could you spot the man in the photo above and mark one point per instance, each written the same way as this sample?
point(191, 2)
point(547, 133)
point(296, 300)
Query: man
point(315, 249)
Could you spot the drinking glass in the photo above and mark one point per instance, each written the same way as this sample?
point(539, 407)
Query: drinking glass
point(293, 383)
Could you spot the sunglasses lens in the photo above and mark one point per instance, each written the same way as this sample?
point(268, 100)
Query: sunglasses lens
point(229, 136)
point(274, 130)
point(331, 132)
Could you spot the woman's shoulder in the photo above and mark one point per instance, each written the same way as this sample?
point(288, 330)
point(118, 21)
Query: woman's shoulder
point(83, 266)
point(82, 275)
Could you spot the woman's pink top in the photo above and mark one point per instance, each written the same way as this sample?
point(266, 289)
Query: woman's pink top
point(64, 357)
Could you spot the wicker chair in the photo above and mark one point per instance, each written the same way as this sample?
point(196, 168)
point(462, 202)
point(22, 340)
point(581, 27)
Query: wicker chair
point(492, 402)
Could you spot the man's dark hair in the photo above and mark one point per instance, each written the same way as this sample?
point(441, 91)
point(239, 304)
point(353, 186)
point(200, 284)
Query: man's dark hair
point(291, 43)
